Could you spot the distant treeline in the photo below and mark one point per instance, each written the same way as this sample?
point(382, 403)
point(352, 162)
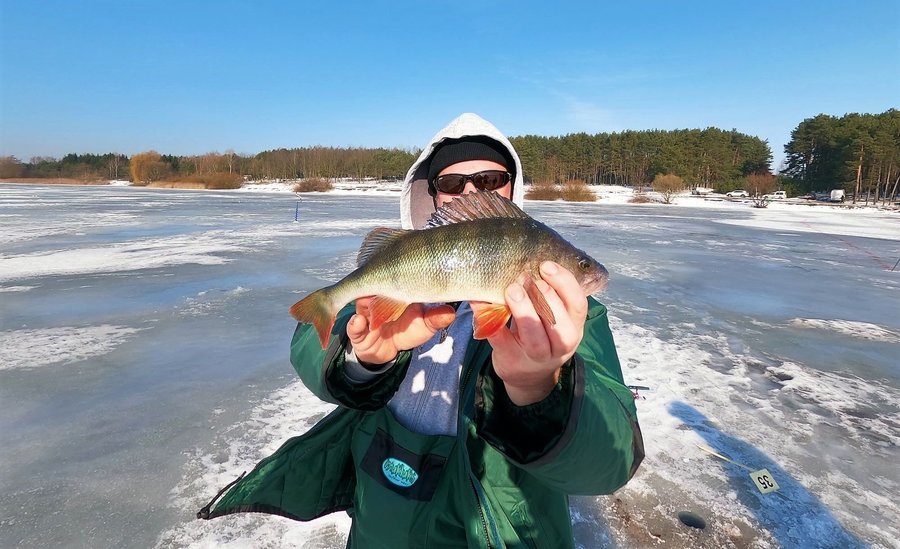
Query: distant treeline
point(859, 153)
point(701, 157)
point(307, 162)
point(710, 157)
point(825, 152)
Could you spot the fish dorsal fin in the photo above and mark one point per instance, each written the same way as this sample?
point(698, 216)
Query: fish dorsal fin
point(477, 205)
point(379, 238)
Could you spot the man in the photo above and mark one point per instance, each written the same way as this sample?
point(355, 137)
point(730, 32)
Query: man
point(441, 440)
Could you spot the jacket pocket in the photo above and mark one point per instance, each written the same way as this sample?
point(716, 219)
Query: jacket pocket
point(402, 481)
point(407, 473)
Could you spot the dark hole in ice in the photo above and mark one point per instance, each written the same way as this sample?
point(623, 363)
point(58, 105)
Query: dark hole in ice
point(692, 519)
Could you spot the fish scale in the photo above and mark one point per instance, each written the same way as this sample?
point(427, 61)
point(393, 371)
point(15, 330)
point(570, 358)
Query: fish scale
point(471, 250)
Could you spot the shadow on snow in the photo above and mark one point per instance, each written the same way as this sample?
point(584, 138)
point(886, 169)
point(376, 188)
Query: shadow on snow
point(792, 515)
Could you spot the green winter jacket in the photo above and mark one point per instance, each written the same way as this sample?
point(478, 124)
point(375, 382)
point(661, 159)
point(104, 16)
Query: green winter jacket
point(502, 481)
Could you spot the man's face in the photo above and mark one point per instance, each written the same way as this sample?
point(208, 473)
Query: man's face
point(466, 168)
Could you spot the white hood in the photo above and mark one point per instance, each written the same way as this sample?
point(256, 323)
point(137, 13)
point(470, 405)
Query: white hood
point(416, 205)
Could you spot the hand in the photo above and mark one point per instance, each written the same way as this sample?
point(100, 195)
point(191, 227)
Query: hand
point(414, 327)
point(529, 355)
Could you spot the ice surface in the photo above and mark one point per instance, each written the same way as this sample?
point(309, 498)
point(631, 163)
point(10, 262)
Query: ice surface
point(144, 362)
point(35, 348)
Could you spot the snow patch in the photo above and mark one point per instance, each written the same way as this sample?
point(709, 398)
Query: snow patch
point(288, 412)
point(26, 349)
point(862, 330)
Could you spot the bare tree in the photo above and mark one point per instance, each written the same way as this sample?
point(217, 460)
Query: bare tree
point(115, 161)
point(10, 167)
point(229, 159)
point(760, 183)
point(147, 167)
point(668, 185)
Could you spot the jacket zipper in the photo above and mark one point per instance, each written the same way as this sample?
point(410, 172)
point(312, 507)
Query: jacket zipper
point(484, 525)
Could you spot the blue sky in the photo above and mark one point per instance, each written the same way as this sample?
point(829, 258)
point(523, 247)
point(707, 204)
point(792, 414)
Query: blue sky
point(193, 77)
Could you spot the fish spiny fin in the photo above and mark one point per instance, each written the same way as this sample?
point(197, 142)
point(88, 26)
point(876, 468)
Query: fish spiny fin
point(315, 309)
point(384, 309)
point(488, 318)
point(541, 307)
point(477, 205)
point(378, 239)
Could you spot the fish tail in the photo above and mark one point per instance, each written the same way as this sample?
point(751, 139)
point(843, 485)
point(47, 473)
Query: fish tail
point(316, 309)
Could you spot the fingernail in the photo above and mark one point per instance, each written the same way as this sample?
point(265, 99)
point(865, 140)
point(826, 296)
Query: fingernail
point(549, 267)
point(516, 293)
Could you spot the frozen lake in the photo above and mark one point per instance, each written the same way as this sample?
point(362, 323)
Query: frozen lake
point(144, 363)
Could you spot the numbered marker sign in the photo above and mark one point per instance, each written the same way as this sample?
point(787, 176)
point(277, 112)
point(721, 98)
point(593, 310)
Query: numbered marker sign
point(764, 481)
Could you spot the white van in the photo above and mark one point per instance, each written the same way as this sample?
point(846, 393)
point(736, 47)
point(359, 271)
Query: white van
point(777, 195)
point(837, 195)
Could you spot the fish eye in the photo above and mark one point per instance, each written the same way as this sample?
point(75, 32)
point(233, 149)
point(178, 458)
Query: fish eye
point(584, 264)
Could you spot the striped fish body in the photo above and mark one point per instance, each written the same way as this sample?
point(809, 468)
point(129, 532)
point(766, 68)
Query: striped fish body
point(471, 250)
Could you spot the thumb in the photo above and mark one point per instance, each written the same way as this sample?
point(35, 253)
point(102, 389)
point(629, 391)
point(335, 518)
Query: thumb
point(357, 328)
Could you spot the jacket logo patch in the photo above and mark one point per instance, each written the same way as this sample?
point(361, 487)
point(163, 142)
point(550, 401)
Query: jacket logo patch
point(400, 470)
point(399, 473)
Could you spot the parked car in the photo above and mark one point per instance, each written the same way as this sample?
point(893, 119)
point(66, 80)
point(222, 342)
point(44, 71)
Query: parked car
point(701, 190)
point(777, 195)
point(740, 193)
point(836, 195)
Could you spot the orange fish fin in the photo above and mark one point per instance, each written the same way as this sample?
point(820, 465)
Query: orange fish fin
point(541, 307)
point(384, 309)
point(488, 318)
point(314, 309)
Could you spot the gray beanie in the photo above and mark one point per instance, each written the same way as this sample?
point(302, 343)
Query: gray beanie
point(452, 151)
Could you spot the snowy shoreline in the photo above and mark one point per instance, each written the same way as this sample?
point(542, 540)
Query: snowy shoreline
point(606, 194)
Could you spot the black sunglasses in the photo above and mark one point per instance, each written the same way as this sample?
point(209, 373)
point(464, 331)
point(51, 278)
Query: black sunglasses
point(488, 180)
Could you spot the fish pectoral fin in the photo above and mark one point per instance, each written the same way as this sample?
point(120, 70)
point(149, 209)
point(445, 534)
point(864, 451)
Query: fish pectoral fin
point(541, 307)
point(384, 309)
point(488, 318)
